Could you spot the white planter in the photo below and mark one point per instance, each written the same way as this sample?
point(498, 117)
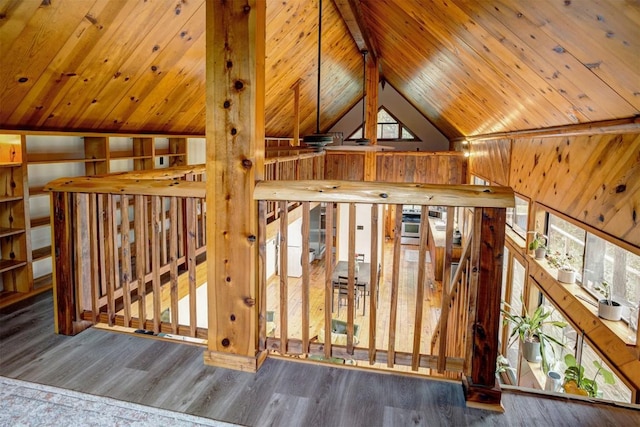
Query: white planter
point(609, 312)
point(553, 382)
point(531, 351)
point(566, 276)
point(540, 253)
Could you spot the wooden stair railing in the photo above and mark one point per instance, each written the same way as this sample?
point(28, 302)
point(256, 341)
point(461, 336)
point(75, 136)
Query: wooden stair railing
point(121, 244)
point(474, 355)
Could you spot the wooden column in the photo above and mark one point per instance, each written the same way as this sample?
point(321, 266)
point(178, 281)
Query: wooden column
point(235, 44)
point(371, 101)
point(64, 305)
point(481, 388)
point(296, 112)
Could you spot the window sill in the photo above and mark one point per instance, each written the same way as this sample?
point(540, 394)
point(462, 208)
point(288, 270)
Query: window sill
point(515, 238)
point(581, 296)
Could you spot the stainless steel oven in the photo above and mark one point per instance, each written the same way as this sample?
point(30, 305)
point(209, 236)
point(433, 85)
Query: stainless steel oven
point(410, 233)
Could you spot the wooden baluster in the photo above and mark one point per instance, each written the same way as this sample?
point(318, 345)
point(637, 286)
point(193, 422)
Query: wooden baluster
point(395, 280)
point(140, 227)
point(156, 239)
point(351, 269)
point(284, 275)
point(173, 261)
point(126, 258)
point(109, 258)
point(83, 246)
point(328, 288)
point(94, 240)
point(101, 246)
point(422, 259)
point(448, 252)
point(306, 219)
point(163, 233)
point(192, 233)
point(262, 274)
point(373, 284)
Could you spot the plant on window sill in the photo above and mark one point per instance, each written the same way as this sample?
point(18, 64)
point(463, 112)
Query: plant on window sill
point(576, 383)
point(566, 272)
point(529, 329)
point(607, 307)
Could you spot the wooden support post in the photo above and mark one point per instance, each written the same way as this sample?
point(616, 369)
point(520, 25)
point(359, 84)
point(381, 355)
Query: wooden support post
point(235, 45)
point(296, 113)
point(64, 305)
point(371, 107)
point(481, 388)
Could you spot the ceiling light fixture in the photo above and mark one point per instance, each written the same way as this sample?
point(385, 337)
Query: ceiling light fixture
point(318, 140)
point(364, 140)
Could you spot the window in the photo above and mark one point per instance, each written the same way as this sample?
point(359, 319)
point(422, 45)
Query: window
point(581, 349)
point(478, 181)
point(518, 216)
point(517, 288)
point(566, 238)
point(389, 129)
point(605, 261)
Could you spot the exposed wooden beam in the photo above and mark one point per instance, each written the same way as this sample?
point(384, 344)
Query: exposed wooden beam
point(352, 16)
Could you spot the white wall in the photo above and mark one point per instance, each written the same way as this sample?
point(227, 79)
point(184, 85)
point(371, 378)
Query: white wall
point(363, 237)
point(431, 138)
point(196, 151)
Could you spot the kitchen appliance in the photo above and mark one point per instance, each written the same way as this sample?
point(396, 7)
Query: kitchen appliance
point(410, 233)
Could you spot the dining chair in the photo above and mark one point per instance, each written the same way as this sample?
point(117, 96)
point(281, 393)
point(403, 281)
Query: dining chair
point(342, 286)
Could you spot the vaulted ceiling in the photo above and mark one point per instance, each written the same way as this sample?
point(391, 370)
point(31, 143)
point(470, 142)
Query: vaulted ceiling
point(470, 67)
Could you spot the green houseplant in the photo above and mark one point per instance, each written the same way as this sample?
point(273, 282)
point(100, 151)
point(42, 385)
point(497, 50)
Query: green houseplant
point(538, 245)
point(529, 329)
point(575, 381)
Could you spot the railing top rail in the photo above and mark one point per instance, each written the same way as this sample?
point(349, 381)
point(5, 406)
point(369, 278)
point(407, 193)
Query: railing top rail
point(150, 187)
point(301, 155)
point(382, 192)
point(174, 172)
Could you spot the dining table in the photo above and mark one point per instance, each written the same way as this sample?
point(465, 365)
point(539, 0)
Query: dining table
point(362, 277)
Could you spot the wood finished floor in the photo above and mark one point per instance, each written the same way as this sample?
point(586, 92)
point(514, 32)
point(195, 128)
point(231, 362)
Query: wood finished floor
point(283, 393)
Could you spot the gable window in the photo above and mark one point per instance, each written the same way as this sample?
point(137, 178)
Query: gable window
point(389, 129)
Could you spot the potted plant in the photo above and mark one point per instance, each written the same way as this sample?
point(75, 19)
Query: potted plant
point(538, 245)
point(529, 329)
point(566, 272)
point(575, 381)
point(607, 307)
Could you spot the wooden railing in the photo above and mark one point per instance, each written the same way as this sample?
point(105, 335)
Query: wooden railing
point(123, 243)
point(476, 282)
point(296, 166)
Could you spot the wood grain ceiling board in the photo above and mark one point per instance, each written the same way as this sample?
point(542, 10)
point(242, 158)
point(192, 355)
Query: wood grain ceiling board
point(131, 66)
point(470, 67)
point(563, 73)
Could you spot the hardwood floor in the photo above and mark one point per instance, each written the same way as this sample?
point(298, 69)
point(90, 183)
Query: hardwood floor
point(172, 376)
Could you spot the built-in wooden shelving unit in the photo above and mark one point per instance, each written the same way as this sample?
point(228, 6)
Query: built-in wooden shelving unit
point(25, 235)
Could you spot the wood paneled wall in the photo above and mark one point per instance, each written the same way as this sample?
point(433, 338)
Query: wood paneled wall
point(491, 160)
point(431, 168)
point(419, 167)
point(594, 179)
point(344, 166)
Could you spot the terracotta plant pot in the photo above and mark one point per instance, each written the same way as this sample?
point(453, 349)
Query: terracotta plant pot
point(566, 276)
point(609, 312)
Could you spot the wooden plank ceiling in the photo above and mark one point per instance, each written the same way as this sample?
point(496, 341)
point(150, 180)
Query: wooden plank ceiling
point(470, 67)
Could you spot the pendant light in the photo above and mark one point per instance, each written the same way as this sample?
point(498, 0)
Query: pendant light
point(318, 140)
point(363, 140)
